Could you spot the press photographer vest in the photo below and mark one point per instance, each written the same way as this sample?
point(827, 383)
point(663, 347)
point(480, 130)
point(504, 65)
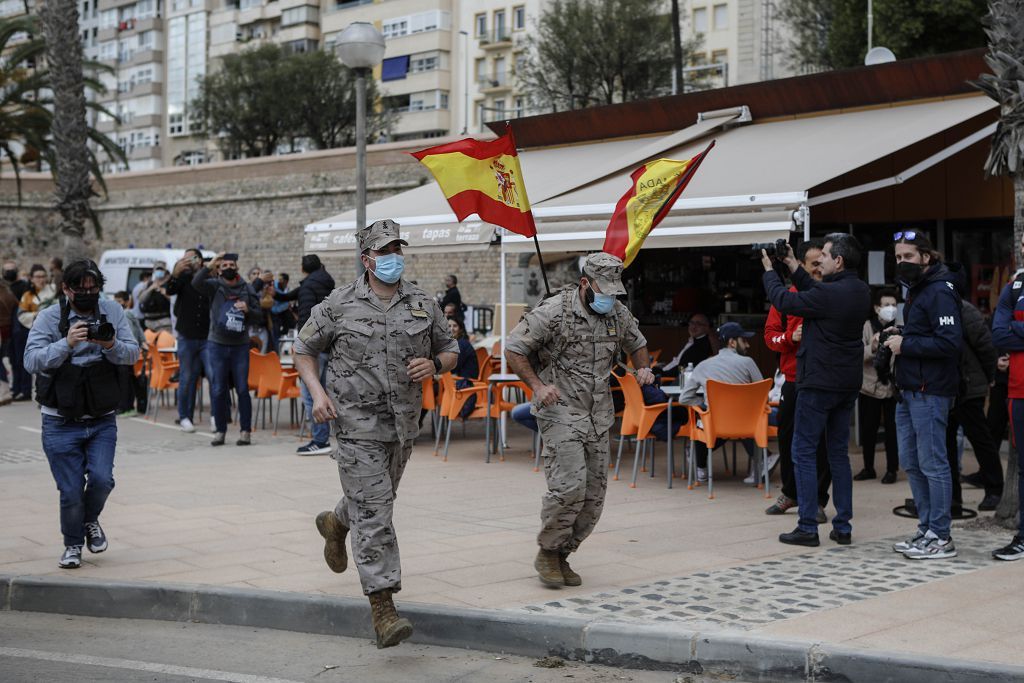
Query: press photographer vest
point(78, 390)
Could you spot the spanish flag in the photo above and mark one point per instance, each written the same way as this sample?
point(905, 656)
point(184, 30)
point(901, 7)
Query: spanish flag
point(482, 177)
point(656, 187)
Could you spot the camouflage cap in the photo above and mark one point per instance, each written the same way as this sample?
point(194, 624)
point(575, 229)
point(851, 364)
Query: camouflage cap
point(379, 234)
point(606, 271)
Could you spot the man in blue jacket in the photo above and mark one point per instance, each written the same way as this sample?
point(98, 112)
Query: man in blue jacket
point(830, 367)
point(927, 354)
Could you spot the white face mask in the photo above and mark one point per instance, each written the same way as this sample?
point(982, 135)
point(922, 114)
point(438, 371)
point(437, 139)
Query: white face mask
point(887, 314)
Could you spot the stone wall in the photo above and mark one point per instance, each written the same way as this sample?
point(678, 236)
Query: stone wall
point(257, 207)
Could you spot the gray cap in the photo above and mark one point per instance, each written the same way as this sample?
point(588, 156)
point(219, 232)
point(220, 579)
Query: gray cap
point(379, 234)
point(606, 271)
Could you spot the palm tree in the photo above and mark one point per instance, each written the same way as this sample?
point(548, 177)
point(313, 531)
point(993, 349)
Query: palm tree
point(1004, 25)
point(28, 109)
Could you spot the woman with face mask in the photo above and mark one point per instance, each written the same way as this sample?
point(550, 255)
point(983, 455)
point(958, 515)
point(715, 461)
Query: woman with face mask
point(154, 301)
point(878, 394)
point(40, 295)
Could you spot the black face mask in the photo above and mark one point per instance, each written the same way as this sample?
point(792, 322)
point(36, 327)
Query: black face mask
point(86, 302)
point(11, 275)
point(229, 273)
point(909, 273)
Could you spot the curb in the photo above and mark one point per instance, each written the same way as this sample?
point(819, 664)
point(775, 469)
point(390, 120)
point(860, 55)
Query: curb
point(611, 643)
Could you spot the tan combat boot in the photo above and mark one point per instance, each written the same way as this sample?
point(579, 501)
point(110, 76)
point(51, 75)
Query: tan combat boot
point(334, 533)
point(571, 577)
point(548, 568)
point(391, 629)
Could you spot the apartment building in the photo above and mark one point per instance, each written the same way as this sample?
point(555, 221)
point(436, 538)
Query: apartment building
point(742, 41)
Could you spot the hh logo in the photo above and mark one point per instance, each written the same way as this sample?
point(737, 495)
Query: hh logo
point(947, 320)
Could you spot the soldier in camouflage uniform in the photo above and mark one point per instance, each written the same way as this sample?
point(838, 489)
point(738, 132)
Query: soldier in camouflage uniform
point(565, 350)
point(384, 336)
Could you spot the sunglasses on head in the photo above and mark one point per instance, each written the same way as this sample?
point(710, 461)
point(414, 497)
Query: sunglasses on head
point(909, 235)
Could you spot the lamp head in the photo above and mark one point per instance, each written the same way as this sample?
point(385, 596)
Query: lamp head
point(360, 46)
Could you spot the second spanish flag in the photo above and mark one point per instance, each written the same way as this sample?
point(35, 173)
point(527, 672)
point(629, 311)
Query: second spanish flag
point(656, 187)
point(482, 177)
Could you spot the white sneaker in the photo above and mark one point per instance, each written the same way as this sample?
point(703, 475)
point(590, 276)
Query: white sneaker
point(702, 475)
point(186, 425)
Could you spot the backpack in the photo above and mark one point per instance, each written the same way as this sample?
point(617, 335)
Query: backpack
point(229, 322)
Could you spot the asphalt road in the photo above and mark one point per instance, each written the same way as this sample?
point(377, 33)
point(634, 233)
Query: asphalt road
point(52, 647)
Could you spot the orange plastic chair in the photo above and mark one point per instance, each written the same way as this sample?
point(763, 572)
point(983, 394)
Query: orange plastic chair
point(742, 414)
point(164, 365)
point(641, 418)
point(483, 360)
point(267, 375)
point(654, 355)
point(452, 403)
point(430, 403)
point(287, 389)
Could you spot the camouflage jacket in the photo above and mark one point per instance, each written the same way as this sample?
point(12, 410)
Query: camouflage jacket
point(370, 343)
point(574, 349)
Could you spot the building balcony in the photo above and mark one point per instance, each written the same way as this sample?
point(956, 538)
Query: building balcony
point(410, 122)
point(132, 27)
point(495, 40)
point(144, 57)
point(436, 79)
point(141, 153)
point(150, 88)
point(113, 4)
point(494, 84)
point(105, 126)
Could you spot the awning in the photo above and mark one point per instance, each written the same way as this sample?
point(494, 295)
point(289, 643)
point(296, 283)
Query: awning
point(754, 186)
point(428, 238)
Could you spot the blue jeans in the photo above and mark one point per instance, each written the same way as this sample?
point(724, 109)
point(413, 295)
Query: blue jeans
point(921, 432)
point(21, 380)
point(819, 411)
point(321, 431)
point(192, 359)
point(81, 455)
point(521, 414)
point(229, 364)
point(1017, 422)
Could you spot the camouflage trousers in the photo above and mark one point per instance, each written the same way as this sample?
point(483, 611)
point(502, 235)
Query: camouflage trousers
point(576, 469)
point(370, 472)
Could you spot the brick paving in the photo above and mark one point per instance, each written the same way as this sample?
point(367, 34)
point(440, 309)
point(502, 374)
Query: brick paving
point(186, 512)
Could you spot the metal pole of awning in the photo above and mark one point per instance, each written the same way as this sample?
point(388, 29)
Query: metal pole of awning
point(504, 298)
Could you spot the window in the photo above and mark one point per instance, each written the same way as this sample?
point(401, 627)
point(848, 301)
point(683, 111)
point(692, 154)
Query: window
point(108, 50)
point(700, 20)
point(721, 17)
point(108, 18)
point(394, 68)
point(225, 33)
point(176, 124)
point(146, 40)
point(480, 21)
point(520, 107)
point(145, 9)
point(249, 4)
point(416, 23)
point(719, 56)
point(298, 46)
point(425, 61)
point(499, 25)
point(499, 71)
point(480, 71)
point(519, 18)
point(178, 5)
point(300, 15)
point(395, 28)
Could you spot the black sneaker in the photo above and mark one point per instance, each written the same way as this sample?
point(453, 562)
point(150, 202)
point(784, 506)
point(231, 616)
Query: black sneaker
point(95, 539)
point(1014, 551)
point(840, 538)
point(314, 448)
point(990, 502)
point(72, 557)
point(798, 537)
point(889, 478)
point(864, 475)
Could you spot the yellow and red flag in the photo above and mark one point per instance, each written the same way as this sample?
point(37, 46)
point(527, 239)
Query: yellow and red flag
point(482, 177)
point(656, 187)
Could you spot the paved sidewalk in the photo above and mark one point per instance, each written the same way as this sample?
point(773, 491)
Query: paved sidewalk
point(186, 512)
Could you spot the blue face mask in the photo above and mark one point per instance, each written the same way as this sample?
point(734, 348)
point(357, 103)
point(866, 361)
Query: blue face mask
point(602, 304)
point(389, 267)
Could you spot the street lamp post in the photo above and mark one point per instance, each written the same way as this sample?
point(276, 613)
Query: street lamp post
point(360, 47)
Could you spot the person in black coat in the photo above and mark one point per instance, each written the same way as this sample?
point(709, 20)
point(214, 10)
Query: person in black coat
point(467, 369)
point(829, 375)
point(313, 289)
point(451, 295)
point(927, 352)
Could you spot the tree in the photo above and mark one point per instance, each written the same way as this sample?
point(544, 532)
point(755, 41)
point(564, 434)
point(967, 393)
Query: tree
point(587, 52)
point(263, 98)
point(26, 103)
point(1004, 25)
point(832, 34)
point(71, 159)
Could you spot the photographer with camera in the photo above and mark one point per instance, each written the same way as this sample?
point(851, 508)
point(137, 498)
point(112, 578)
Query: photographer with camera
point(878, 391)
point(75, 349)
point(927, 352)
point(829, 374)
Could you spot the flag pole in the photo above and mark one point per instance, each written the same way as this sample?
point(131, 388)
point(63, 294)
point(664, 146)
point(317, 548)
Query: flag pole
point(536, 242)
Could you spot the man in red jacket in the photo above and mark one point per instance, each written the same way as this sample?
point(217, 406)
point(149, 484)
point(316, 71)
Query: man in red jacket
point(783, 334)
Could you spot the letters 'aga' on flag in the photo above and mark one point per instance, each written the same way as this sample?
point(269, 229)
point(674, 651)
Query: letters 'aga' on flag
point(656, 187)
point(482, 177)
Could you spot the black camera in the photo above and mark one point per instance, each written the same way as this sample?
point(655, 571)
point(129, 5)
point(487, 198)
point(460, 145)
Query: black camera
point(778, 249)
point(100, 330)
point(882, 362)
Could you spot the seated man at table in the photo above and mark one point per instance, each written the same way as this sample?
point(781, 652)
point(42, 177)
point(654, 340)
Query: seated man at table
point(732, 365)
point(699, 347)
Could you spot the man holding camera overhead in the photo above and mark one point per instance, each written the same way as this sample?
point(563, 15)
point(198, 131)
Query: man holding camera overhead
point(829, 374)
point(75, 349)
